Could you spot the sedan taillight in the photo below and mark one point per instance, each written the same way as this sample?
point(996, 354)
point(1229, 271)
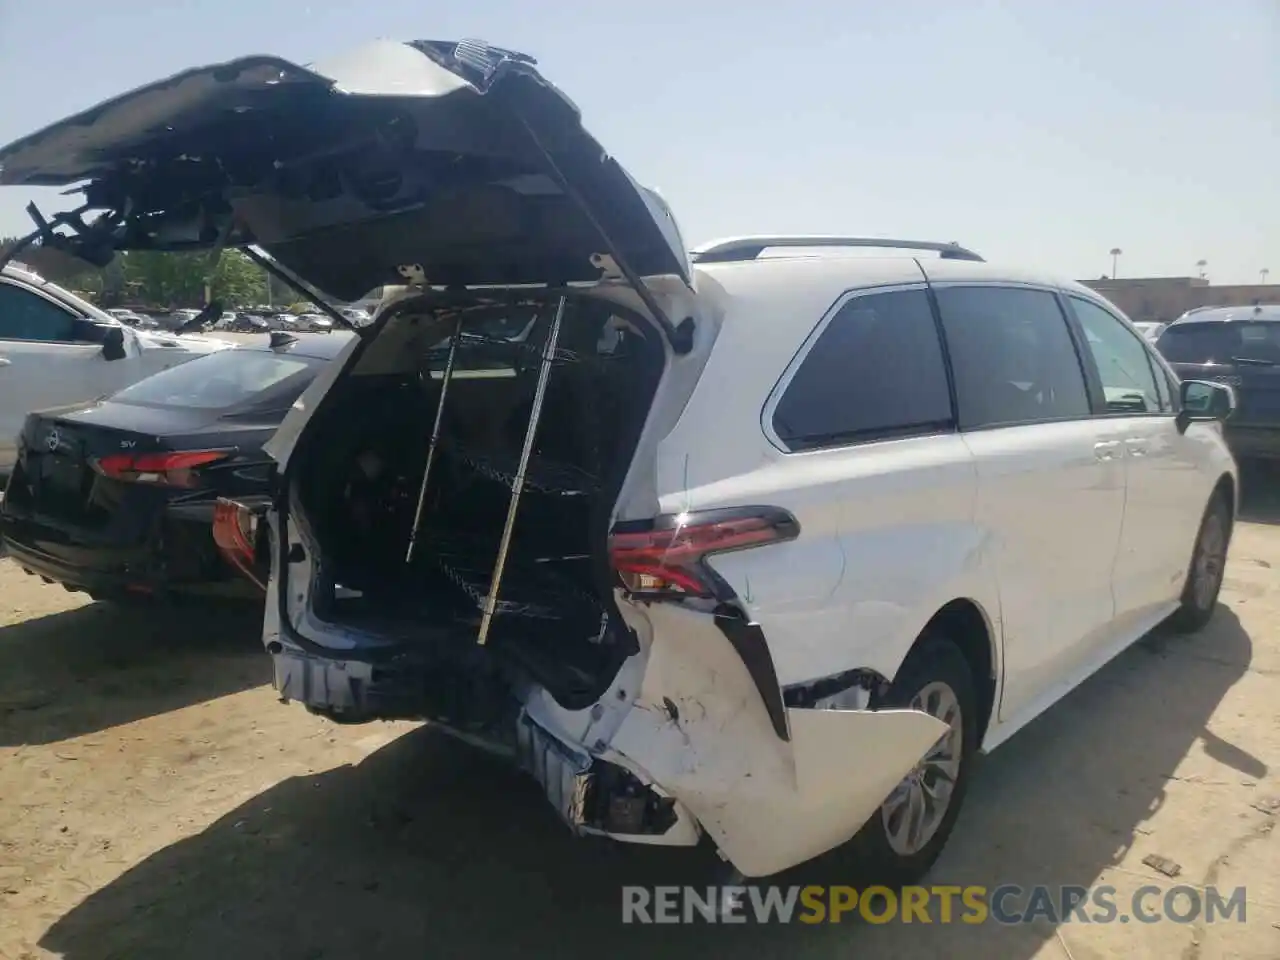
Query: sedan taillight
point(173, 469)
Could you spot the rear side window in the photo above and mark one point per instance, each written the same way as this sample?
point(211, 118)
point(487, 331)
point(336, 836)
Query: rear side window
point(494, 343)
point(226, 379)
point(1013, 357)
point(876, 371)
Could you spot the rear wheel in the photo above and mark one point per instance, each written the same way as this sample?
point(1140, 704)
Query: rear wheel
point(900, 842)
point(1208, 565)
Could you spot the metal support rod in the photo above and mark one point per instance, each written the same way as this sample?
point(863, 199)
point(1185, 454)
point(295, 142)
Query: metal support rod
point(517, 485)
point(291, 279)
point(435, 437)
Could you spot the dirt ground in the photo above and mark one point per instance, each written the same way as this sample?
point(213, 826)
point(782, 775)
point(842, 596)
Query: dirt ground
point(157, 801)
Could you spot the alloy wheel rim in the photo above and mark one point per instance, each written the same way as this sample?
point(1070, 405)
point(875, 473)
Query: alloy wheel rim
point(915, 809)
point(1210, 563)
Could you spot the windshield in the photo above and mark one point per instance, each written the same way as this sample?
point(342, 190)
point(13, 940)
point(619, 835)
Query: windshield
point(1220, 342)
point(228, 378)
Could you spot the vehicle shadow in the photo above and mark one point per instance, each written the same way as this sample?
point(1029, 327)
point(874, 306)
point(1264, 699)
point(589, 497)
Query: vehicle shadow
point(1260, 493)
point(429, 848)
point(101, 665)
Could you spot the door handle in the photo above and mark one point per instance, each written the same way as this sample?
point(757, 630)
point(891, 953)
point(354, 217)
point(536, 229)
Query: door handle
point(1136, 446)
point(5, 361)
point(1107, 450)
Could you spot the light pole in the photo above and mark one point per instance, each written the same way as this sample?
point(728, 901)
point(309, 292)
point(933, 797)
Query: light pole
point(1263, 274)
point(1115, 256)
point(1200, 265)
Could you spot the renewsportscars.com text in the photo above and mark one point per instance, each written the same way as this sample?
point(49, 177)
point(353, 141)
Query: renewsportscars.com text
point(1006, 904)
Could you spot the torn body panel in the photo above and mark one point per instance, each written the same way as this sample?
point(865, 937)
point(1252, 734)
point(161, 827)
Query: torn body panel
point(701, 729)
point(682, 742)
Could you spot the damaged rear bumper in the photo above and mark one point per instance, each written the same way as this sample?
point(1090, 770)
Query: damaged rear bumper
point(684, 742)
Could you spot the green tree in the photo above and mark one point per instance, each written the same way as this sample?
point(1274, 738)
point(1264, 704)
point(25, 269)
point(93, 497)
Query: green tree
point(238, 280)
point(159, 279)
point(178, 279)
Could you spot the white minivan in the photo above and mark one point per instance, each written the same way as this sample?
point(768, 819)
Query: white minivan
point(760, 548)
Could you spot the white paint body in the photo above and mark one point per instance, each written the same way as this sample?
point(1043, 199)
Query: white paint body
point(39, 374)
point(1071, 538)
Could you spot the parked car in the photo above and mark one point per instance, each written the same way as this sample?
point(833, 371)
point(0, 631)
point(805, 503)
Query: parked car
point(358, 317)
point(248, 323)
point(760, 548)
point(117, 497)
point(316, 322)
point(177, 319)
point(1151, 329)
point(134, 319)
point(56, 348)
point(1238, 346)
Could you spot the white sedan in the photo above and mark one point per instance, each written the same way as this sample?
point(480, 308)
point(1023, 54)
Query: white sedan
point(56, 349)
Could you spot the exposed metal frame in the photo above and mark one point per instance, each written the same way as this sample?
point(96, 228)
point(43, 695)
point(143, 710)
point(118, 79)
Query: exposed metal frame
point(434, 442)
point(517, 484)
point(736, 249)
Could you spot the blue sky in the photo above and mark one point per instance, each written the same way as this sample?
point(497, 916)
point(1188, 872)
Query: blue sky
point(1038, 132)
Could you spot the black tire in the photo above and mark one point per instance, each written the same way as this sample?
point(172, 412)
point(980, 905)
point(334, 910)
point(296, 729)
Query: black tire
point(934, 659)
point(1206, 569)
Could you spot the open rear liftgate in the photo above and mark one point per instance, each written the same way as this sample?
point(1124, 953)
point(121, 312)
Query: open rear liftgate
point(490, 604)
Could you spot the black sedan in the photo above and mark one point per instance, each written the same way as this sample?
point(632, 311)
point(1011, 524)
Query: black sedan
point(117, 497)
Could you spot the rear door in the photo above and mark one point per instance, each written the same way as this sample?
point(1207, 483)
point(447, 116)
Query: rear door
point(1167, 490)
point(1051, 480)
point(41, 362)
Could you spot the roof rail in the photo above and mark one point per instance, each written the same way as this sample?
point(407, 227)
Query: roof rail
point(750, 248)
point(21, 266)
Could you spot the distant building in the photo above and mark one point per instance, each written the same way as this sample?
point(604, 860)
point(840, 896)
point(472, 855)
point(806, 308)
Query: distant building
point(1167, 298)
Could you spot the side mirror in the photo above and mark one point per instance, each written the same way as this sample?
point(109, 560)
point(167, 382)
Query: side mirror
point(113, 344)
point(1204, 400)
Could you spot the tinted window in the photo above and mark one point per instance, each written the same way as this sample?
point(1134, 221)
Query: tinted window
point(27, 316)
point(228, 378)
point(494, 343)
point(1013, 357)
point(875, 371)
point(1220, 342)
point(1128, 382)
point(497, 342)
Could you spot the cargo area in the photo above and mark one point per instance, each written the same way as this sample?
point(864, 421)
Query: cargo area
point(405, 410)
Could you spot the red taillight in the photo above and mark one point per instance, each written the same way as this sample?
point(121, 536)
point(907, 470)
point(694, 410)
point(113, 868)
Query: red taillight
point(667, 557)
point(235, 531)
point(174, 469)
